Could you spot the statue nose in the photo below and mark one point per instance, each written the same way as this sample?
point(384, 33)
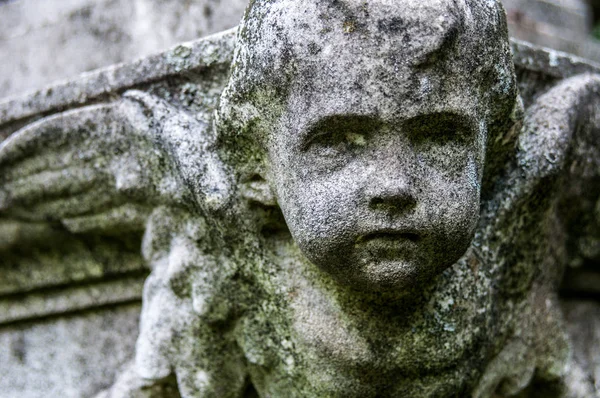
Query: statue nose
point(392, 193)
point(391, 181)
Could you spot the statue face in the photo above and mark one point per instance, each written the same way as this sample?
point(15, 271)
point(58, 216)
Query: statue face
point(377, 164)
point(379, 202)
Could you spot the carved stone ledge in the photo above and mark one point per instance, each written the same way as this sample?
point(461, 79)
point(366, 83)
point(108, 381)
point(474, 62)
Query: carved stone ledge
point(191, 60)
point(62, 301)
point(550, 62)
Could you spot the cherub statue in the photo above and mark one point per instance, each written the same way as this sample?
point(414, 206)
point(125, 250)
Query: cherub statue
point(369, 213)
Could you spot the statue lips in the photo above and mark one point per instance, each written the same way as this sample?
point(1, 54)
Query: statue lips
point(389, 243)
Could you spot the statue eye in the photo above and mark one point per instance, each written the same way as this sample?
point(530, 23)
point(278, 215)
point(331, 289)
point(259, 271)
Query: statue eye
point(332, 143)
point(445, 134)
point(440, 129)
point(339, 134)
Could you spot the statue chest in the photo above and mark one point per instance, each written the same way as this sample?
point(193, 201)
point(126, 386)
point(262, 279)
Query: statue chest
point(306, 336)
point(319, 350)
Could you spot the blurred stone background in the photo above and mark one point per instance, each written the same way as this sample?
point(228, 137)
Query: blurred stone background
point(567, 25)
point(42, 41)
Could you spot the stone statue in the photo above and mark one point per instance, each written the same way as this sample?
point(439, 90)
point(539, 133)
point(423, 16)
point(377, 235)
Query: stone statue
point(370, 212)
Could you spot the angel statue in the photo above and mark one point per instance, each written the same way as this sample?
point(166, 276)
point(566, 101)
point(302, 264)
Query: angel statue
point(369, 213)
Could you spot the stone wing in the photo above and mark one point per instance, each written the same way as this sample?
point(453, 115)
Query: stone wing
point(561, 130)
point(134, 165)
point(104, 167)
point(559, 153)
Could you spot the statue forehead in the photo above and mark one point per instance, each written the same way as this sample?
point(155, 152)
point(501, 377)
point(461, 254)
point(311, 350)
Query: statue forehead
point(424, 10)
point(345, 44)
point(410, 29)
point(369, 56)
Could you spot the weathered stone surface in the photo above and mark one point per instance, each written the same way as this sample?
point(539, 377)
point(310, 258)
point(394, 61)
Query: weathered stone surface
point(583, 323)
point(454, 244)
point(49, 40)
point(195, 68)
point(70, 356)
point(564, 25)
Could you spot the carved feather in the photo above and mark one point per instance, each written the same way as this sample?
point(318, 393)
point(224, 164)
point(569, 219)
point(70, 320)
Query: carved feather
point(106, 166)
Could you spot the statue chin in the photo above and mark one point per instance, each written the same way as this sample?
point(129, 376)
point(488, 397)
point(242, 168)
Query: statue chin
point(396, 264)
point(392, 276)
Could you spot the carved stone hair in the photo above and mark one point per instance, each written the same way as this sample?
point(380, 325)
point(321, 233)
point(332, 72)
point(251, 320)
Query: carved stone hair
point(265, 62)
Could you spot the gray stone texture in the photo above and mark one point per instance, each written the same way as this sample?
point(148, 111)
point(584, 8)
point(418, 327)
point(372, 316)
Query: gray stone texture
point(233, 299)
point(564, 25)
point(68, 356)
point(49, 40)
point(42, 41)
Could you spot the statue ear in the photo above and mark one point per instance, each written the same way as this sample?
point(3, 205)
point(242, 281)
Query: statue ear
point(258, 190)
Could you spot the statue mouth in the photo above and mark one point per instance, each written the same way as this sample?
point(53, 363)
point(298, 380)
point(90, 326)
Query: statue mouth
point(389, 235)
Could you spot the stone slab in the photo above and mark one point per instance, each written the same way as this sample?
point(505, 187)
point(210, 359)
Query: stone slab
point(69, 357)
